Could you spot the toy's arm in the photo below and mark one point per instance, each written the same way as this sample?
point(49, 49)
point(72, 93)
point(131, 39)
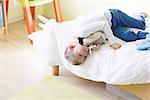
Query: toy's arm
point(92, 38)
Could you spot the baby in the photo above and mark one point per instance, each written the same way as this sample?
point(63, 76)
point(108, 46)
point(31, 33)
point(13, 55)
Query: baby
point(77, 52)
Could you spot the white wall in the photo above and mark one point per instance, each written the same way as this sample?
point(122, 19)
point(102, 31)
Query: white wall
point(74, 8)
point(16, 12)
point(48, 10)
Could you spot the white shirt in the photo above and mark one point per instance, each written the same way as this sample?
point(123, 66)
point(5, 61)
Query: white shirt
point(97, 21)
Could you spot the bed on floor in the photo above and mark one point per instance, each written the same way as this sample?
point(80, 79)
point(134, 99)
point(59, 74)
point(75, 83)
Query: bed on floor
point(133, 68)
point(123, 66)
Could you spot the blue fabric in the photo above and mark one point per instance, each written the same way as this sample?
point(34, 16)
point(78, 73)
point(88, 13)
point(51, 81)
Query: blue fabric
point(148, 37)
point(145, 44)
point(127, 35)
point(121, 22)
point(121, 19)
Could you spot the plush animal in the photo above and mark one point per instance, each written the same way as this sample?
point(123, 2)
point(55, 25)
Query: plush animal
point(93, 38)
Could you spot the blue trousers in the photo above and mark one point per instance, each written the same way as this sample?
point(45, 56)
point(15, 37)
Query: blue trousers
point(121, 24)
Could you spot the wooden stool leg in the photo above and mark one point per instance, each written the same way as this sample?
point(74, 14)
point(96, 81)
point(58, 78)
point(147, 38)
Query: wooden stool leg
point(5, 17)
point(28, 17)
point(33, 12)
point(29, 21)
point(55, 70)
point(7, 6)
point(57, 10)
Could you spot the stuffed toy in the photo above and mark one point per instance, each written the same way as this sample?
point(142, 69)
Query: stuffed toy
point(91, 34)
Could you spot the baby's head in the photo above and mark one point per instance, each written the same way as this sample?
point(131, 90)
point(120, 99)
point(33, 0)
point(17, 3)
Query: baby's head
point(76, 53)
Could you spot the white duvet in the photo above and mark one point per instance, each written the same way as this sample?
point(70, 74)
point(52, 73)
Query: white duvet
point(123, 66)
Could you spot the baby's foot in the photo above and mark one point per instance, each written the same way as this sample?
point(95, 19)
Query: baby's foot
point(115, 46)
point(145, 14)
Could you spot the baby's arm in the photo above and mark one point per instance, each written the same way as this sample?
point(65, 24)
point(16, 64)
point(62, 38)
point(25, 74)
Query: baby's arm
point(115, 46)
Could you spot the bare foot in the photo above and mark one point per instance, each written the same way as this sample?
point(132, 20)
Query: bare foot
point(115, 46)
point(144, 14)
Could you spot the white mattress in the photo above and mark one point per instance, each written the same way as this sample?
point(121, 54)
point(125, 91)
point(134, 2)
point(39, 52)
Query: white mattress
point(123, 66)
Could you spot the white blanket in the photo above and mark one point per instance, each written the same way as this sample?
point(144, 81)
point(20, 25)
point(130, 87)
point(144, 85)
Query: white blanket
point(123, 66)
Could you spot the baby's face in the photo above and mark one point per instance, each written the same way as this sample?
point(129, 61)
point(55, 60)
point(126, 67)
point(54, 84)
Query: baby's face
point(79, 51)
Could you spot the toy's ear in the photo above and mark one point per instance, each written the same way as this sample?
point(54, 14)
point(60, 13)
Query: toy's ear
point(72, 47)
point(80, 40)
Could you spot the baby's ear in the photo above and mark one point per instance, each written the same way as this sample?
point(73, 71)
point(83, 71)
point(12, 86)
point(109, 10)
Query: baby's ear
point(72, 47)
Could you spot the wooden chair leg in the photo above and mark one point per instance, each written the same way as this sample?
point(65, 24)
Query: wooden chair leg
point(33, 12)
point(29, 21)
point(28, 17)
point(55, 70)
point(7, 6)
point(57, 10)
point(5, 17)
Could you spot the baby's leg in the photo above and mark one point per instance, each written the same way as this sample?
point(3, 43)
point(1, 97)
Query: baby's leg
point(120, 18)
point(127, 35)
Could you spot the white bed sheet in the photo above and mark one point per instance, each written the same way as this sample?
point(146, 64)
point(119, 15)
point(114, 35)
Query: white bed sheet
point(123, 66)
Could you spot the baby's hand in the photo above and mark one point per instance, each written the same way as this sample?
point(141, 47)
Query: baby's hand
point(115, 46)
point(94, 47)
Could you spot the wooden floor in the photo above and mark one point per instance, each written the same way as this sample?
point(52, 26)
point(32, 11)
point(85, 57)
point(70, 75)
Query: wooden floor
point(20, 68)
point(142, 90)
